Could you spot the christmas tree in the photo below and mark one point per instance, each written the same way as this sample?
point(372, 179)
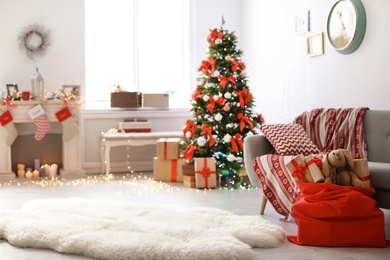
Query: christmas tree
point(221, 109)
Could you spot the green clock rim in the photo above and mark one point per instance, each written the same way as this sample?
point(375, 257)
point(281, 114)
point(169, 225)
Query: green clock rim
point(360, 27)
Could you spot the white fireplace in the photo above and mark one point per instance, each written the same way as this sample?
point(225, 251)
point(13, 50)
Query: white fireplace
point(71, 150)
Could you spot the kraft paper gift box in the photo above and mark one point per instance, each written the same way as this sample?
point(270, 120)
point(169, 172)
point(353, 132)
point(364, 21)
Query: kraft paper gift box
point(168, 170)
point(126, 99)
point(360, 168)
point(188, 169)
point(168, 148)
point(306, 172)
point(189, 181)
point(205, 173)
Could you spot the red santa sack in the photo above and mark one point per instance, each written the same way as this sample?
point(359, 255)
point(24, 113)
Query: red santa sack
point(333, 215)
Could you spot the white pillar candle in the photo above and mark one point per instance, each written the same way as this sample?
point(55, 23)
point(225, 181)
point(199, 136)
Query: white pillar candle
point(28, 174)
point(53, 170)
point(35, 174)
point(21, 173)
point(45, 170)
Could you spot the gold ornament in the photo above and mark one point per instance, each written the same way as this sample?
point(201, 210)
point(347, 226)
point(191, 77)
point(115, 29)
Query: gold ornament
point(228, 58)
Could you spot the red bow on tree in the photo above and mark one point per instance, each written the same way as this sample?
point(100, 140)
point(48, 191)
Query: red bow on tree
point(244, 97)
point(207, 130)
point(207, 65)
point(235, 65)
point(215, 35)
point(211, 105)
point(236, 140)
point(223, 80)
point(197, 95)
point(243, 120)
point(190, 127)
point(189, 152)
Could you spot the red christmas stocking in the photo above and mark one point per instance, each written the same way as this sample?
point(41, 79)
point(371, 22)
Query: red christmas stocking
point(43, 125)
point(69, 126)
point(6, 122)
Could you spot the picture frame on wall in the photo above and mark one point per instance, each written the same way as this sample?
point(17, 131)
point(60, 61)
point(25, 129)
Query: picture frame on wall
point(302, 22)
point(315, 44)
point(12, 90)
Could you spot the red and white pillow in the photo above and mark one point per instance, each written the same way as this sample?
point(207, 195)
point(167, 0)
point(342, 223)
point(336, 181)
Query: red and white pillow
point(289, 139)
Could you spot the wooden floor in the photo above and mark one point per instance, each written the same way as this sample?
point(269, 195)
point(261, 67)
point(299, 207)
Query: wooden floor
point(141, 189)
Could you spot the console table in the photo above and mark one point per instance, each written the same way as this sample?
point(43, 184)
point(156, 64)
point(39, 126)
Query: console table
point(108, 140)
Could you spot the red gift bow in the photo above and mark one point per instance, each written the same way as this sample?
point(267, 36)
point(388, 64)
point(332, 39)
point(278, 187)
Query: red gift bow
point(244, 97)
point(224, 80)
point(206, 65)
point(214, 35)
point(315, 160)
point(189, 152)
point(174, 170)
point(236, 140)
point(235, 65)
point(196, 95)
point(6, 102)
point(205, 172)
point(211, 105)
point(190, 127)
point(244, 119)
point(208, 131)
point(299, 171)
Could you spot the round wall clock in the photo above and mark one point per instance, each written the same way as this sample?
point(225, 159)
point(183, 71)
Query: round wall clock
point(346, 25)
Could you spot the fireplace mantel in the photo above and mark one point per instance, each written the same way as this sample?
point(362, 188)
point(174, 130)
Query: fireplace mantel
point(71, 150)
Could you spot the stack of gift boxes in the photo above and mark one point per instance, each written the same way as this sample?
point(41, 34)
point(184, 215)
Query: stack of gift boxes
point(170, 166)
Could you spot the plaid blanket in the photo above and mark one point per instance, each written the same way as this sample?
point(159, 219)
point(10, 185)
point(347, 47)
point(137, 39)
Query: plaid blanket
point(329, 129)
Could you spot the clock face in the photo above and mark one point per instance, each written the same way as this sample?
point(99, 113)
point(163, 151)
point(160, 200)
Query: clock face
point(342, 24)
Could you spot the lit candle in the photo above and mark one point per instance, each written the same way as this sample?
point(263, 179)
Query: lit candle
point(45, 170)
point(53, 170)
point(35, 174)
point(28, 174)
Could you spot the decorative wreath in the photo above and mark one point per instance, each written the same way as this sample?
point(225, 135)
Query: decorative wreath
point(34, 40)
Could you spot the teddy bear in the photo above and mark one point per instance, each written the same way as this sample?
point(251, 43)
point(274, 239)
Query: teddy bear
point(337, 168)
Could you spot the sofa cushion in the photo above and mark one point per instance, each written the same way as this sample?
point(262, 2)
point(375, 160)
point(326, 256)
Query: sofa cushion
point(289, 139)
point(380, 175)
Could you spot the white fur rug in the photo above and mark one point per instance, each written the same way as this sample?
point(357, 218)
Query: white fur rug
point(114, 230)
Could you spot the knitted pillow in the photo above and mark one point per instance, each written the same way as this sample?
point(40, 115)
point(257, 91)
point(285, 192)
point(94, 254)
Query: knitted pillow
point(289, 139)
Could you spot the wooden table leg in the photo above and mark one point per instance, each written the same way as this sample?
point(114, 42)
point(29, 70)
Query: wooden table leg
point(263, 204)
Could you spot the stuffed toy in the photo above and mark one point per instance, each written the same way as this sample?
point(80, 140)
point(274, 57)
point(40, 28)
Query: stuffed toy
point(337, 168)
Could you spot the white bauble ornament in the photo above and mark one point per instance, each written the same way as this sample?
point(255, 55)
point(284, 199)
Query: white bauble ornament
point(201, 82)
point(201, 141)
point(188, 134)
point(239, 159)
point(218, 41)
point(243, 73)
point(231, 158)
point(216, 73)
point(206, 98)
point(227, 138)
point(227, 95)
point(218, 117)
point(193, 113)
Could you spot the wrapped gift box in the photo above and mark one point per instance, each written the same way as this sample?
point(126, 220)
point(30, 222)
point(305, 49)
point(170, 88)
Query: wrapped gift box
point(156, 100)
point(168, 170)
point(135, 126)
point(360, 167)
point(126, 99)
point(301, 171)
point(205, 174)
point(188, 169)
point(168, 148)
point(189, 181)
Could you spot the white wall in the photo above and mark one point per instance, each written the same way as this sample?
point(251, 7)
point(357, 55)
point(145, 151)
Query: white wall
point(64, 61)
point(286, 82)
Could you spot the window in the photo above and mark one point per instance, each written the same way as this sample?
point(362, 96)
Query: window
point(141, 45)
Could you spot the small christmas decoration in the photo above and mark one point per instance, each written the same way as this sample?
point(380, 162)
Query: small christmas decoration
point(43, 125)
point(222, 109)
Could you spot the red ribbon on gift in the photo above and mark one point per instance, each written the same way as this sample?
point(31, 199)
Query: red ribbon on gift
point(207, 131)
point(299, 171)
point(190, 127)
point(244, 97)
point(214, 35)
point(165, 148)
point(236, 140)
point(5, 118)
point(189, 152)
point(243, 120)
point(205, 172)
point(224, 80)
point(235, 65)
point(211, 105)
point(174, 170)
point(365, 178)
